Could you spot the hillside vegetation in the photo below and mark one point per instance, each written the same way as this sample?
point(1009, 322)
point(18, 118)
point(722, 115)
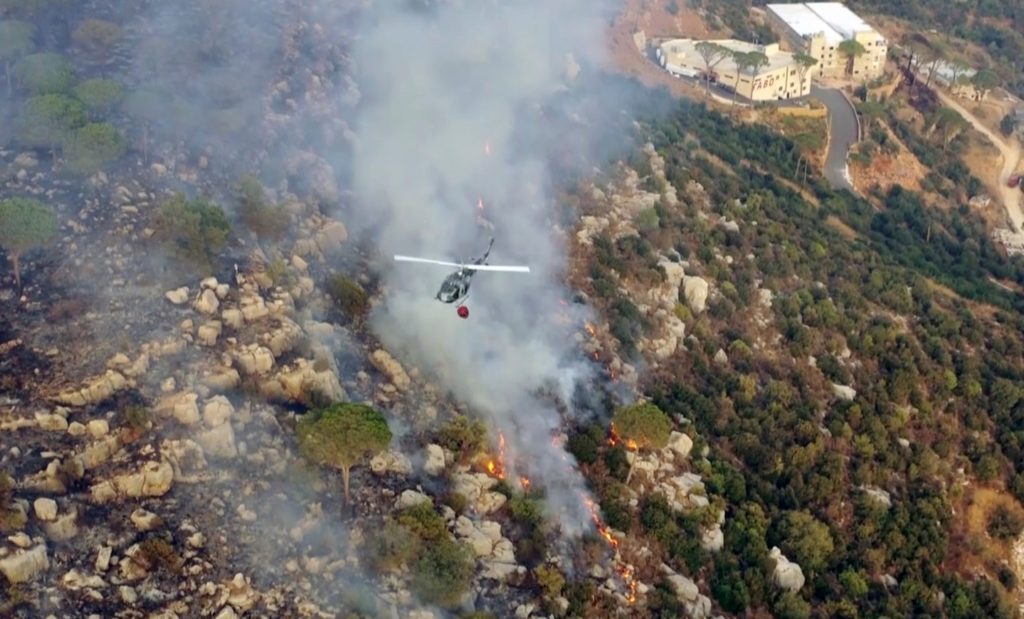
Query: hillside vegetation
point(862, 487)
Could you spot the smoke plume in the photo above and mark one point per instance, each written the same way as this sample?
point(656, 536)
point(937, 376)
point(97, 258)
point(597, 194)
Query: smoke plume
point(444, 92)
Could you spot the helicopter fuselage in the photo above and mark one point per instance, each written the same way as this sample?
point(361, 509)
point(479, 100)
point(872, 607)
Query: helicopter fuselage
point(456, 286)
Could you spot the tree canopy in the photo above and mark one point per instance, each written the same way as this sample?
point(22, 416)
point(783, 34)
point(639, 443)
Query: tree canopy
point(644, 424)
point(25, 223)
point(15, 40)
point(99, 95)
point(44, 73)
point(342, 435)
point(47, 120)
point(92, 147)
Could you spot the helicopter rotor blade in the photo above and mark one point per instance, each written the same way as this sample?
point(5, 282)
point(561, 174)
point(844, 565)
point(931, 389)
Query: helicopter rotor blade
point(489, 267)
point(472, 267)
point(426, 260)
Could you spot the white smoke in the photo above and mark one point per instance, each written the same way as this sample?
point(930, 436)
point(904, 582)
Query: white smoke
point(441, 86)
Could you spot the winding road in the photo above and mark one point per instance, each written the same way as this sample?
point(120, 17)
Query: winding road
point(1010, 152)
point(843, 135)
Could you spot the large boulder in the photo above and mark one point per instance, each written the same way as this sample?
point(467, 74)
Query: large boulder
point(696, 291)
point(434, 464)
point(24, 566)
point(387, 365)
point(787, 574)
point(95, 391)
point(680, 444)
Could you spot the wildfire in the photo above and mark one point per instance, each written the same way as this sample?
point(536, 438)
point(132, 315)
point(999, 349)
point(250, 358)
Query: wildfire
point(590, 329)
point(614, 439)
point(525, 483)
point(496, 468)
point(480, 203)
point(625, 571)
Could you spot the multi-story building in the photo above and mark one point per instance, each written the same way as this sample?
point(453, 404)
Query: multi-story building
point(819, 28)
point(779, 79)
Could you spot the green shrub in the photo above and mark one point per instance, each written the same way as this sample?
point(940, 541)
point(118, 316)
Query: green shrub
point(11, 519)
point(266, 220)
point(424, 522)
point(462, 435)
point(280, 273)
point(457, 501)
point(156, 552)
point(194, 231)
point(443, 573)
point(348, 295)
point(550, 581)
point(392, 547)
point(524, 511)
point(1005, 523)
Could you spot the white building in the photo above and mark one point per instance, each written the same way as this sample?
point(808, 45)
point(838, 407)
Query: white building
point(779, 79)
point(818, 29)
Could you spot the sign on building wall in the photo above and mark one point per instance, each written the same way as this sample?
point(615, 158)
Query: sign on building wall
point(766, 82)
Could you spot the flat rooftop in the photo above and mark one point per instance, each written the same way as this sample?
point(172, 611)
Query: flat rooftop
point(688, 48)
point(837, 22)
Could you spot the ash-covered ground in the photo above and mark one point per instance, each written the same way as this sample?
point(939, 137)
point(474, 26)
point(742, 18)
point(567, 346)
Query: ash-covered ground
point(149, 401)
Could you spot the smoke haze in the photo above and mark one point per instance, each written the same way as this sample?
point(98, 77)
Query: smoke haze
point(441, 88)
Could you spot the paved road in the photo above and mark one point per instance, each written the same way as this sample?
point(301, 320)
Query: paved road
point(843, 120)
point(1011, 154)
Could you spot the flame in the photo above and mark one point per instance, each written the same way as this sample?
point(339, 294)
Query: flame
point(627, 572)
point(480, 203)
point(496, 466)
point(487, 148)
point(590, 329)
point(525, 483)
point(614, 439)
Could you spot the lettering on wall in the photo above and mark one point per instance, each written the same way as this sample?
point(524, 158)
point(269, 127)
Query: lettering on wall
point(765, 82)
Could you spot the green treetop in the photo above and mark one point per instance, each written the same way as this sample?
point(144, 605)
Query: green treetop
point(341, 436)
point(25, 223)
point(644, 426)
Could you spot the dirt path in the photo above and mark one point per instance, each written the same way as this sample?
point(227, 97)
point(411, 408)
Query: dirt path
point(1010, 152)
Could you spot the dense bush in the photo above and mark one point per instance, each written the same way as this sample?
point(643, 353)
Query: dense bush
point(193, 231)
point(348, 295)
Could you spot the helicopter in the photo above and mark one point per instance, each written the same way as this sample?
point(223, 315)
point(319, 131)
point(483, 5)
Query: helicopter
point(455, 287)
